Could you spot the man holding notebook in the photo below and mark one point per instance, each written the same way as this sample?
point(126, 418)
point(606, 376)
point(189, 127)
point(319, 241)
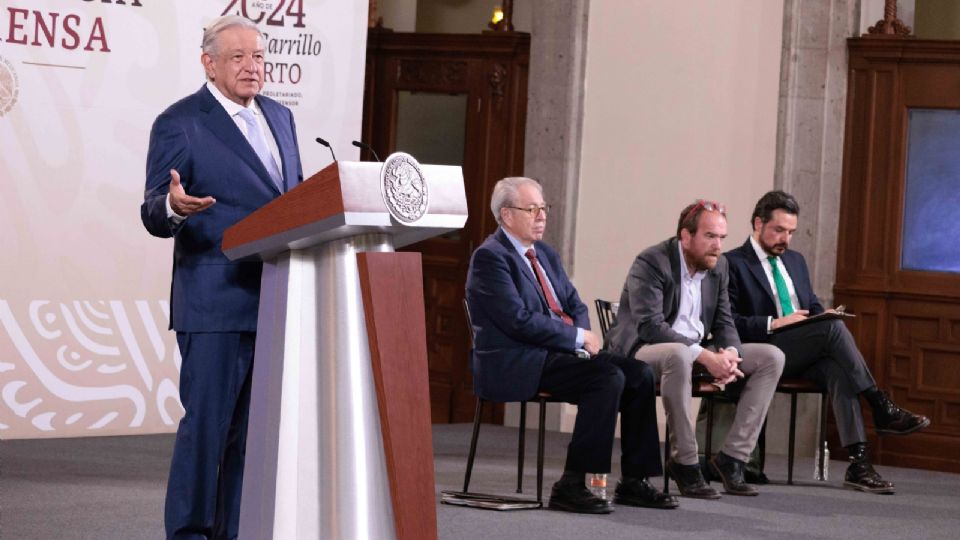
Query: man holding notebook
point(770, 292)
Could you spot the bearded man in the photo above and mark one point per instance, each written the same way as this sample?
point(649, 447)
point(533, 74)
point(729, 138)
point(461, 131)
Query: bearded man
point(770, 290)
point(674, 313)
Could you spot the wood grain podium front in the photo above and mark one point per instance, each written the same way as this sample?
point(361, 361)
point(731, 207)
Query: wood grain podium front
point(339, 442)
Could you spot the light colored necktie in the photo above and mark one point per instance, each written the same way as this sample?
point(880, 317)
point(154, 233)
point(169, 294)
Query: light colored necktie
point(259, 144)
point(782, 293)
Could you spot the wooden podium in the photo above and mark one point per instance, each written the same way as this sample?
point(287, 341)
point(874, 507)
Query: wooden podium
point(339, 442)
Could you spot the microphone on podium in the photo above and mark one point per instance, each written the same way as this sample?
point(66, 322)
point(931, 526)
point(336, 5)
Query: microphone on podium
point(367, 147)
point(325, 143)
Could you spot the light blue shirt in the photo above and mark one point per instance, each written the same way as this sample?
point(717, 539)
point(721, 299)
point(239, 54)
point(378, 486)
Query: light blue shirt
point(522, 250)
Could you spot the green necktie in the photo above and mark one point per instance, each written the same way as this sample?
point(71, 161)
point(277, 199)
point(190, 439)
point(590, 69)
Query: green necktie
point(782, 293)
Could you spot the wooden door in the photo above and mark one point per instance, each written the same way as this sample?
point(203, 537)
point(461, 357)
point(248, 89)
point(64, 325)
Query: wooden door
point(452, 100)
point(908, 309)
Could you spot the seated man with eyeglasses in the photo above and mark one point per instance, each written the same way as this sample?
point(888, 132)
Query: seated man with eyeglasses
point(532, 334)
point(673, 313)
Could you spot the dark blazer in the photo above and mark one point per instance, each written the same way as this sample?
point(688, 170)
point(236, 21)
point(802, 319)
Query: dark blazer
point(651, 298)
point(513, 327)
point(196, 137)
point(751, 297)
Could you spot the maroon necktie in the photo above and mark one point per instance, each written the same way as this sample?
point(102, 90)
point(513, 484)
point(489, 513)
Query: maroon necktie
point(547, 292)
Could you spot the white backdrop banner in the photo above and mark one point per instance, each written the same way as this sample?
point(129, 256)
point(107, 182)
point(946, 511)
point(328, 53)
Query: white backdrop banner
point(84, 345)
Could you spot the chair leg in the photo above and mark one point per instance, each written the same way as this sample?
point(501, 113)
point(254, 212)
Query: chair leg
point(822, 438)
point(709, 448)
point(762, 443)
point(521, 444)
point(793, 436)
point(666, 457)
point(540, 433)
point(473, 444)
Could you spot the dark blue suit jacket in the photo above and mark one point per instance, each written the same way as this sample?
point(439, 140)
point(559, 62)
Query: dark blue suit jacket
point(197, 137)
point(752, 299)
point(514, 330)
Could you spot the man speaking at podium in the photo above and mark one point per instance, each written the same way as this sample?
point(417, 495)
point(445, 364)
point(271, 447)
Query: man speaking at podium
point(533, 335)
point(214, 157)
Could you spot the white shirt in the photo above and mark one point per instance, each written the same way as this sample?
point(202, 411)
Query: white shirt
point(233, 110)
point(768, 270)
point(688, 323)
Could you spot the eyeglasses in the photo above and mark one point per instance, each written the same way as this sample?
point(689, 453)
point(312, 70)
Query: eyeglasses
point(710, 206)
point(534, 211)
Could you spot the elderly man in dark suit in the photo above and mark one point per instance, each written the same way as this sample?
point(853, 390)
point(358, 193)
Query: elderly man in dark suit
point(215, 157)
point(533, 335)
point(673, 313)
point(770, 289)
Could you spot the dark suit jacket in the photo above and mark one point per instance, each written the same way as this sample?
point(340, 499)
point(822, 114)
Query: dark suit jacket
point(751, 297)
point(511, 320)
point(651, 298)
point(196, 137)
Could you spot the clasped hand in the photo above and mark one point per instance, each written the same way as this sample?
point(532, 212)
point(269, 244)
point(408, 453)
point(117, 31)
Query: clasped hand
point(592, 342)
point(183, 204)
point(723, 365)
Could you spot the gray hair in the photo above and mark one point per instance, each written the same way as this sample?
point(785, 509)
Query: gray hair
point(212, 32)
point(505, 193)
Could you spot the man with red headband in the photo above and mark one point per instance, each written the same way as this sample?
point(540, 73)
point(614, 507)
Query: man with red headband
point(674, 315)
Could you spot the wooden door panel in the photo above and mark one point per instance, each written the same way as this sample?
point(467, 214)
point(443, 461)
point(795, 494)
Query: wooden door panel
point(908, 321)
point(490, 70)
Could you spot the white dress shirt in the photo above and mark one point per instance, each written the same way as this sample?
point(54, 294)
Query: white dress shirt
point(688, 323)
point(768, 270)
point(233, 110)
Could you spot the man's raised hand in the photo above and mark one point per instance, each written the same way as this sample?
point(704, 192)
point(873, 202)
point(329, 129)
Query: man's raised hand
point(183, 204)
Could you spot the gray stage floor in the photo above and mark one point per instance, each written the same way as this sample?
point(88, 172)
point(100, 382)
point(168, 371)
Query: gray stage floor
point(112, 488)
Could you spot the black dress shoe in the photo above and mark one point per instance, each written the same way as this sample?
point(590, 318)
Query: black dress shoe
point(577, 498)
point(751, 473)
point(861, 475)
point(639, 492)
point(755, 477)
point(690, 481)
point(730, 471)
point(892, 420)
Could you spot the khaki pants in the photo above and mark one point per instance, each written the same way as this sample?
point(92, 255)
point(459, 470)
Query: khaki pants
point(672, 365)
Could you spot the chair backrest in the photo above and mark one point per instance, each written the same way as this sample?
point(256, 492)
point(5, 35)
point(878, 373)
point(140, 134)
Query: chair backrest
point(607, 313)
point(473, 333)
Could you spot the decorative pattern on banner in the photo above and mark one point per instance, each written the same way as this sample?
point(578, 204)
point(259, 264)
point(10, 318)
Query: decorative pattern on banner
point(101, 367)
point(9, 86)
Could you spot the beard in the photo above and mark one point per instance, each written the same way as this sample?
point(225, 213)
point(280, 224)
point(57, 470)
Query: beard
point(704, 262)
point(773, 249)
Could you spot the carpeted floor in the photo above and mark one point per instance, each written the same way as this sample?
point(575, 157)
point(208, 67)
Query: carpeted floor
point(113, 487)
